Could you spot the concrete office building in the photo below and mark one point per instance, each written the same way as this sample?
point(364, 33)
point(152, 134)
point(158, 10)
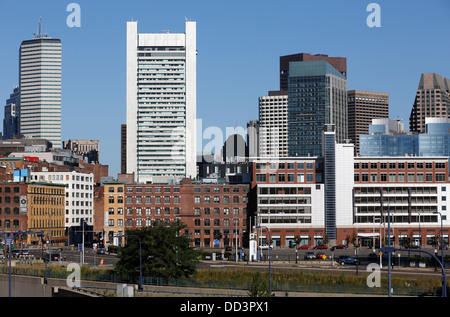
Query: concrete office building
point(363, 106)
point(253, 138)
point(273, 124)
point(161, 104)
point(432, 100)
point(40, 89)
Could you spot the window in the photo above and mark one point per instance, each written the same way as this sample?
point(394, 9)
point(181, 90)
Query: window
point(429, 177)
point(356, 177)
point(440, 177)
point(401, 177)
point(374, 178)
point(261, 178)
point(272, 178)
point(309, 178)
point(383, 177)
point(373, 165)
point(291, 178)
point(364, 177)
point(419, 177)
point(392, 177)
point(197, 199)
point(300, 178)
point(281, 177)
point(309, 166)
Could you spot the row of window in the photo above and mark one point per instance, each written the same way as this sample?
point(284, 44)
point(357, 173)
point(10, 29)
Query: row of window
point(399, 165)
point(282, 166)
point(216, 199)
point(399, 177)
point(290, 178)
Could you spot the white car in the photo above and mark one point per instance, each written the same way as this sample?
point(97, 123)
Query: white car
point(265, 247)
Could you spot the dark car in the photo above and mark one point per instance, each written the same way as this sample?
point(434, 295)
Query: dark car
point(100, 251)
point(344, 259)
point(228, 248)
point(372, 256)
point(310, 256)
point(341, 246)
point(54, 257)
point(322, 246)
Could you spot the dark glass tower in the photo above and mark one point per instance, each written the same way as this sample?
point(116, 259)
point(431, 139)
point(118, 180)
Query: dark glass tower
point(317, 96)
point(11, 118)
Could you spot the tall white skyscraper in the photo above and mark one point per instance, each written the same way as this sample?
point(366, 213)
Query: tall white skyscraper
point(161, 104)
point(273, 124)
point(40, 89)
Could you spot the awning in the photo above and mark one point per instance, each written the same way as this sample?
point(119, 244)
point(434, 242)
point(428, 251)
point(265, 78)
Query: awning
point(368, 235)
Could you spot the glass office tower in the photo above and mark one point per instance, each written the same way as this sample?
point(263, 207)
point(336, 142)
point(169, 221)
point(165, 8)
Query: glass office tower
point(317, 95)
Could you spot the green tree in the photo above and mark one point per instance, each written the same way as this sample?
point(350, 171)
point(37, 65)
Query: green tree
point(259, 286)
point(164, 252)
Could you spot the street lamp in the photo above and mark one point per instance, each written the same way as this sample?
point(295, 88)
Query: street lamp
point(270, 275)
point(442, 254)
point(140, 258)
point(442, 237)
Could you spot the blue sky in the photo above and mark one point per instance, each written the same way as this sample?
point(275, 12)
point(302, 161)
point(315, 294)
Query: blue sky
point(239, 45)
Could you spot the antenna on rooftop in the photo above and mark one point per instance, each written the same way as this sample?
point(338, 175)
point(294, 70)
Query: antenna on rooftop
point(39, 34)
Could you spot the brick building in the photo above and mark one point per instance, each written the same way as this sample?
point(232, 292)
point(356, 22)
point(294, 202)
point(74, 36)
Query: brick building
point(212, 213)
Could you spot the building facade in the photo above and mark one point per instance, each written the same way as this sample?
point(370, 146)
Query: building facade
point(432, 100)
point(40, 89)
point(363, 106)
point(273, 124)
point(11, 115)
point(161, 104)
point(79, 201)
point(89, 150)
point(114, 212)
point(387, 138)
point(215, 215)
point(317, 96)
point(341, 199)
point(339, 63)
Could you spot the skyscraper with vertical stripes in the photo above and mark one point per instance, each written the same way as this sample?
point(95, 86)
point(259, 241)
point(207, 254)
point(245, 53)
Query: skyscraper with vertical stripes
point(40, 88)
point(161, 104)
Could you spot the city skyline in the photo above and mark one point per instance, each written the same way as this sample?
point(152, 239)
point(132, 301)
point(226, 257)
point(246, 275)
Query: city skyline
point(239, 48)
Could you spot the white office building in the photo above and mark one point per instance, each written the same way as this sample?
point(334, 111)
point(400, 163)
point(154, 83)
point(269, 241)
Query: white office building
point(40, 89)
point(273, 124)
point(79, 194)
point(161, 104)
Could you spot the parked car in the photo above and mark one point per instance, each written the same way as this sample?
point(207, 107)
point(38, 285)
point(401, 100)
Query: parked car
point(341, 246)
point(322, 246)
point(373, 256)
point(54, 257)
point(321, 256)
point(310, 255)
point(345, 259)
point(228, 248)
point(303, 247)
point(265, 247)
point(24, 252)
point(101, 251)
